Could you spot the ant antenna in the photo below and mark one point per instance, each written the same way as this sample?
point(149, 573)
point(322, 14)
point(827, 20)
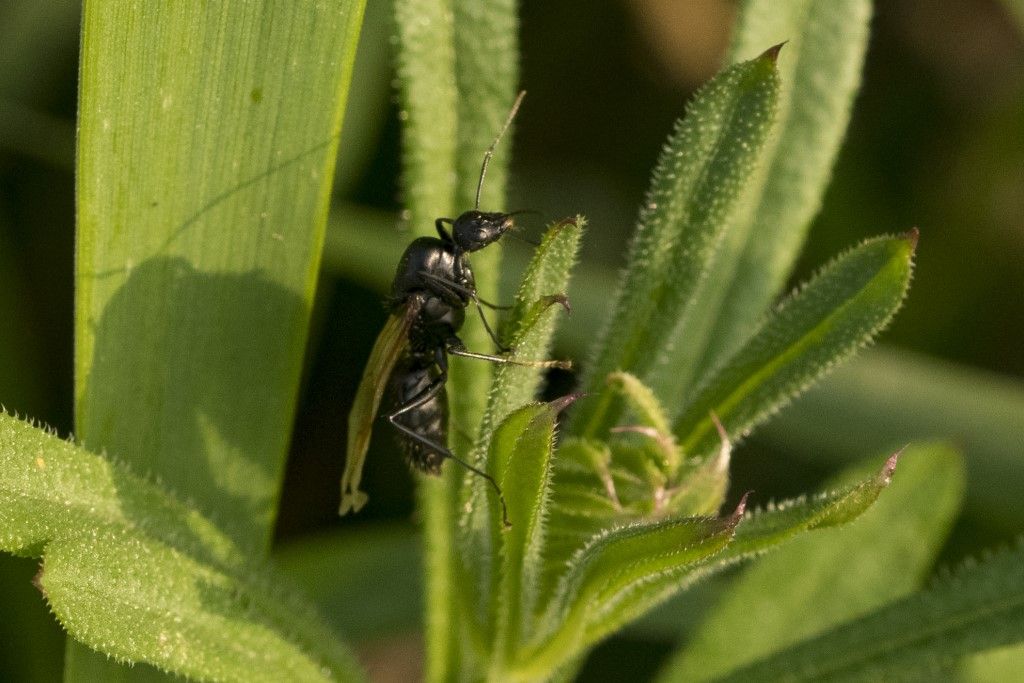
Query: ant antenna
point(490, 150)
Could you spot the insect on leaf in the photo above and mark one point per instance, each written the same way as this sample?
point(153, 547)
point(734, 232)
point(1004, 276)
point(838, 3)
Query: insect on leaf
point(388, 348)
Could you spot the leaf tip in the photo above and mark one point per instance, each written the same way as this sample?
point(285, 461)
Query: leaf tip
point(741, 507)
point(560, 299)
point(37, 581)
point(912, 237)
point(772, 53)
point(560, 404)
point(885, 475)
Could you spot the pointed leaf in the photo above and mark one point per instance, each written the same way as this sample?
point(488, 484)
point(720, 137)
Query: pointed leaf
point(820, 72)
point(133, 572)
point(617, 577)
point(701, 172)
point(762, 529)
point(532, 320)
point(529, 329)
point(916, 638)
point(822, 579)
point(520, 458)
point(824, 322)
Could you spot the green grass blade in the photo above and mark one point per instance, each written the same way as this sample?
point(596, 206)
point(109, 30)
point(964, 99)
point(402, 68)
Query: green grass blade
point(888, 397)
point(823, 579)
point(137, 574)
point(694, 188)
point(823, 323)
point(820, 72)
point(207, 139)
point(206, 146)
point(978, 608)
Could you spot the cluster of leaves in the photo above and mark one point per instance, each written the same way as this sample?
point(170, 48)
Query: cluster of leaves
point(610, 518)
point(622, 515)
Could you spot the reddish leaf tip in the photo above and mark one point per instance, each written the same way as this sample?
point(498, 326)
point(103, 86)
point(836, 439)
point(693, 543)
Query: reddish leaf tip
point(885, 476)
point(772, 53)
point(912, 236)
point(560, 404)
point(37, 581)
point(741, 507)
point(560, 299)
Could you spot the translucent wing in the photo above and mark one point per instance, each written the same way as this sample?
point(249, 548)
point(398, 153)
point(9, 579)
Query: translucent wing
point(388, 348)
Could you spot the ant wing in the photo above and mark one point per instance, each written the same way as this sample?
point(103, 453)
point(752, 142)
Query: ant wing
point(388, 348)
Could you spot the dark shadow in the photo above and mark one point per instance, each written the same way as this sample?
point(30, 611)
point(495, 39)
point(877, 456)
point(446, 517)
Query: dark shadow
point(212, 421)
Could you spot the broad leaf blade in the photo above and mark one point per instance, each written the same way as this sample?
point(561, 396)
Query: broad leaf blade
point(137, 574)
point(823, 579)
point(824, 322)
point(820, 72)
point(694, 189)
point(978, 608)
point(207, 138)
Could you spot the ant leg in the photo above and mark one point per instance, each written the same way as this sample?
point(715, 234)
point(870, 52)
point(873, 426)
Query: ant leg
point(504, 360)
point(441, 232)
point(424, 396)
point(487, 326)
point(453, 289)
point(445, 453)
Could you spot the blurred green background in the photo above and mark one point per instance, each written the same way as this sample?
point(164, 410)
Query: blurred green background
point(936, 141)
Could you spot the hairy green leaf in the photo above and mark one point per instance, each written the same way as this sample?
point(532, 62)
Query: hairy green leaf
point(529, 330)
point(824, 322)
point(133, 572)
point(822, 579)
point(780, 522)
point(611, 580)
point(819, 71)
point(532, 320)
point(425, 74)
point(520, 460)
point(979, 607)
point(701, 173)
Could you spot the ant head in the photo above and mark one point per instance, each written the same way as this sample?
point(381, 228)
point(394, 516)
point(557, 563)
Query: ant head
point(474, 229)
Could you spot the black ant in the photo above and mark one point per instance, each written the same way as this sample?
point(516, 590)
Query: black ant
point(432, 288)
